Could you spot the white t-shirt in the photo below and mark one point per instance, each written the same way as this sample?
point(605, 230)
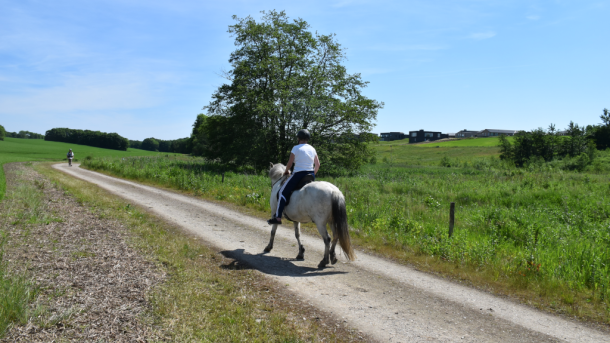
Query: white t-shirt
point(304, 155)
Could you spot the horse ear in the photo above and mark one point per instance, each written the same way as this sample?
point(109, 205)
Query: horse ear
point(271, 163)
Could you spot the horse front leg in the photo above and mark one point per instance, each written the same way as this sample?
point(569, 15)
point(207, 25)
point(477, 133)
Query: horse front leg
point(297, 234)
point(270, 245)
point(326, 238)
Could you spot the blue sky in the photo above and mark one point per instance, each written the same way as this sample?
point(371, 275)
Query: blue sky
point(145, 68)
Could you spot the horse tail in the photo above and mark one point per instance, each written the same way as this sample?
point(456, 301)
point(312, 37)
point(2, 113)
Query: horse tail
point(340, 225)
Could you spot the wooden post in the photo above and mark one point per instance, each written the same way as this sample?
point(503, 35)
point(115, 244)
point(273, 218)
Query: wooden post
point(451, 218)
point(223, 177)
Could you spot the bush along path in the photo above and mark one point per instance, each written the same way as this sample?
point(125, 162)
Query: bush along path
point(95, 268)
point(387, 301)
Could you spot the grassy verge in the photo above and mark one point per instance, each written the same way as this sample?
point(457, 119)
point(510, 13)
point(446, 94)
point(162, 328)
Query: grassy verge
point(206, 297)
point(16, 289)
point(539, 235)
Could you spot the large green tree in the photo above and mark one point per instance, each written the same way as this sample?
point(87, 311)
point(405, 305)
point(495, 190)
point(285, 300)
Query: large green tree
point(284, 78)
point(2, 133)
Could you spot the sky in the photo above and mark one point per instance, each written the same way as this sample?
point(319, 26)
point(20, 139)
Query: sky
point(146, 68)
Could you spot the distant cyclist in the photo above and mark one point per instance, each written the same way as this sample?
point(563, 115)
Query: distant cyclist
point(70, 157)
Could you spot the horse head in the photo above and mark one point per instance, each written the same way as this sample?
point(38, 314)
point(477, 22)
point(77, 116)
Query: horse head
point(276, 171)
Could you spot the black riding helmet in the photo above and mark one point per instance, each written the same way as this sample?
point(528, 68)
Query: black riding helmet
point(304, 135)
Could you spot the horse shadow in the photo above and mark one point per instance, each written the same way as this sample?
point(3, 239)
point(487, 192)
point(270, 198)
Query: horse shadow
point(272, 265)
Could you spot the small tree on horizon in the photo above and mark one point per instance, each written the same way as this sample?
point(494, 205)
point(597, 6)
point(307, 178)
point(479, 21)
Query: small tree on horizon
point(2, 133)
point(150, 144)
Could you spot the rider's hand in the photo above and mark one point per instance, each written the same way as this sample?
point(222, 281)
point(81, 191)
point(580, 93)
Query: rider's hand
point(287, 172)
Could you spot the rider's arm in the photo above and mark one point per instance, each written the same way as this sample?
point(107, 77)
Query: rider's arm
point(289, 165)
point(316, 165)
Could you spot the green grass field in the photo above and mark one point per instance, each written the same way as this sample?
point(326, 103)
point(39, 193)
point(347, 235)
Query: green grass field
point(467, 142)
point(409, 155)
point(20, 150)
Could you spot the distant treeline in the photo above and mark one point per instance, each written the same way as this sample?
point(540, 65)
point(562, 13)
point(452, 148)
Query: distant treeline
point(88, 137)
point(182, 145)
point(20, 134)
point(577, 143)
point(25, 134)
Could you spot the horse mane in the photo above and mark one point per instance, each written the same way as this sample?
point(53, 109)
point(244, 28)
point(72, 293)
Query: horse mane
point(276, 171)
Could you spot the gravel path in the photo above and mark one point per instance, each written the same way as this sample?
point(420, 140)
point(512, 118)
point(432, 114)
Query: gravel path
point(387, 301)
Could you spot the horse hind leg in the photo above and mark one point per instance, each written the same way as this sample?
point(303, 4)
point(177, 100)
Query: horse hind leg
point(326, 238)
point(270, 245)
point(297, 234)
point(333, 256)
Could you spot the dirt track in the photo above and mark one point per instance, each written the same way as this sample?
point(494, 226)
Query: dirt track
point(390, 302)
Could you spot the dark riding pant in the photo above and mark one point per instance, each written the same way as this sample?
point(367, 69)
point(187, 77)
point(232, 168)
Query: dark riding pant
point(288, 188)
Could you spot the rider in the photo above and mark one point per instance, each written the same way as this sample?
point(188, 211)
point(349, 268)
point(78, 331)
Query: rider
point(306, 162)
point(70, 157)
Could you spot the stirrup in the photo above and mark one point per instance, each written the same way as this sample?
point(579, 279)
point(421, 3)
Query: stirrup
point(273, 221)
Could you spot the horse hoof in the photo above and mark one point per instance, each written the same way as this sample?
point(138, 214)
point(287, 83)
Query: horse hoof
point(322, 264)
point(301, 254)
point(333, 260)
point(267, 249)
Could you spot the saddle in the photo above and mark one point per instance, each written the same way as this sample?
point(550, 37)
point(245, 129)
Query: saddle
point(304, 181)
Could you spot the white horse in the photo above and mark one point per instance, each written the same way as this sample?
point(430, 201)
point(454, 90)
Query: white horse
point(319, 202)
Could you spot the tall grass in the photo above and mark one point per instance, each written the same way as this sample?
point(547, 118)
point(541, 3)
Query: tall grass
point(16, 290)
point(15, 294)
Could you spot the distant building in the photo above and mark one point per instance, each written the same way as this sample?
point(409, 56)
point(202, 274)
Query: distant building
point(425, 136)
point(466, 134)
point(494, 133)
point(450, 135)
point(392, 136)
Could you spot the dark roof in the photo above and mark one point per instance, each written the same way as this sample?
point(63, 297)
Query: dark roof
point(500, 131)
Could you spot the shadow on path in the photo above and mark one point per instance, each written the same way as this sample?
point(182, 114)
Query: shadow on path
point(273, 265)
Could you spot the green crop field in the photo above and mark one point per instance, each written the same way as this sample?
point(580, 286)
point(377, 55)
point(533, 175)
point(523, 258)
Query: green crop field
point(482, 142)
point(19, 150)
point(409, 155)
point(466, 142)
point(538, 232)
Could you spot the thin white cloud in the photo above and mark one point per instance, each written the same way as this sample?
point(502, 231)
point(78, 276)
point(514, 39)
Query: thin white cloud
point(482, 35)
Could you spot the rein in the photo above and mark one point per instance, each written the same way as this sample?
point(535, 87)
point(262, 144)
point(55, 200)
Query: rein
point(280, 179)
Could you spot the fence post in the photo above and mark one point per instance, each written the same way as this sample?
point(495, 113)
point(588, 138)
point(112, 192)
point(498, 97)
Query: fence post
point(223, 177)
point(451, 218)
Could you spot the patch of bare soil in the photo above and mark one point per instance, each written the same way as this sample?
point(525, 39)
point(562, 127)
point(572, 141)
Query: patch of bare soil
point(93, 286)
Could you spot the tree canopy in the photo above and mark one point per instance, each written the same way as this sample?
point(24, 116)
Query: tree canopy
point(285, 78)
point(25, 134)
point(181, 145)
point(2, 133)
point(88, 137)
point(546, 146)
